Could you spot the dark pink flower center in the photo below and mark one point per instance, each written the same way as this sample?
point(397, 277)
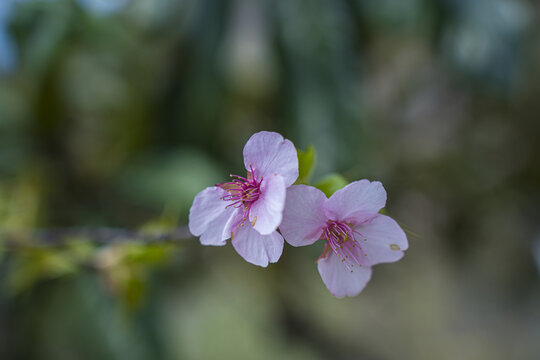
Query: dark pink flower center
point(242, 192)
point(340, 237)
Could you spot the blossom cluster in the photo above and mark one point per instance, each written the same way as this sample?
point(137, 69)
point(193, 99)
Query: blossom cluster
point(261, 209)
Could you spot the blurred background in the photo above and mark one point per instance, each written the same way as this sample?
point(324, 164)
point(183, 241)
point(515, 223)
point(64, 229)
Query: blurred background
point(117, 112)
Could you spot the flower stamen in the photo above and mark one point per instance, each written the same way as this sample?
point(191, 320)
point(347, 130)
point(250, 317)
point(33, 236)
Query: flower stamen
point(242, 192)
point(341, 239)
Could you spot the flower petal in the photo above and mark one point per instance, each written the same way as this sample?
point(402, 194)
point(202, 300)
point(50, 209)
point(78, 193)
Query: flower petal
point(256, 248)
point(207, 207)
point(339, 279)
point(219, 230)
point(266, 213)
point(303, 217)
point(268, 153)
point(382, 240)
point(358, 201)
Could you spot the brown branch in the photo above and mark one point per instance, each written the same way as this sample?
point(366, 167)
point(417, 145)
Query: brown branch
point(100, 236)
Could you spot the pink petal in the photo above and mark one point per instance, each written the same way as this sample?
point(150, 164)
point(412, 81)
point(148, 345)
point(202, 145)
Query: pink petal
point(219, 230)
point(265, 214)
point(357, 202)
point(385, 240)
point(207, 207)
point(256, 248)
point(268, 153)
point(303, 217)
point(339, 279)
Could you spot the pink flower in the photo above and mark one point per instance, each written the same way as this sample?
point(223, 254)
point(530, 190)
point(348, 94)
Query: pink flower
point(357, 236)
point(249, 209)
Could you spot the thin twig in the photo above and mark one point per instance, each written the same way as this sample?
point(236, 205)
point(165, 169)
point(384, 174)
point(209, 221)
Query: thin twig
point(98, 236)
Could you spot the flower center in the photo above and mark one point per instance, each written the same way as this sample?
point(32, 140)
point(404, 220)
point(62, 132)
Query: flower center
point(340, 237)
point(242, 192)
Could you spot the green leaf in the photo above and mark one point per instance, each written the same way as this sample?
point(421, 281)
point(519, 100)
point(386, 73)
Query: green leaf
point(307, 160)
point(331, 183)
point(127, 268)
point(34, 265)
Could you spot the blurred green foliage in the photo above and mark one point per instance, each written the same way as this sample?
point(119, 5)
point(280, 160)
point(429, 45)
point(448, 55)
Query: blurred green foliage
point(307, 161)
point(331, 183)
point(125, 269)
point(34, 264)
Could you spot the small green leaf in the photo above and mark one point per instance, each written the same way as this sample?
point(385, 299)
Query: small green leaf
point(127, 267)
point(307, 160)
point(331, 183)
point(31, 266)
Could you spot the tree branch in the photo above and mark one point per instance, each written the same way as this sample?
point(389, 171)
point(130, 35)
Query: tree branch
point(99, 236)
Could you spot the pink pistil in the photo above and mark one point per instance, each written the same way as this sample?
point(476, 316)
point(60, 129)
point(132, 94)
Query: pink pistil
point(242, 192)
point(340, 238)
